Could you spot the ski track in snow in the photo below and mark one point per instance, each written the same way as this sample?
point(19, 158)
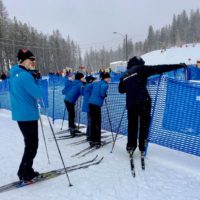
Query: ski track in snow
point(169, 174)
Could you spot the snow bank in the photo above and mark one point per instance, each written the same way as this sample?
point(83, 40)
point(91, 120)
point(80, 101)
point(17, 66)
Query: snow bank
point(188, 53)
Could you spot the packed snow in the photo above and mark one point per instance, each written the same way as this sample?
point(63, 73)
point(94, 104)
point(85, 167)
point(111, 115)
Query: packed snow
point(187, 53)
point(169, 174)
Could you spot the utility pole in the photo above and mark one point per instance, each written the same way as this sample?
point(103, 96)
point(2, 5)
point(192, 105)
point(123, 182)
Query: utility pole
point(125, 39)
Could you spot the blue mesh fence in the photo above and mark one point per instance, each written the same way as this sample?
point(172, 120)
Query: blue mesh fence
point(175, 105)
point(175, 122)
point(4, 94)
point(45, 94)
point(55, 98)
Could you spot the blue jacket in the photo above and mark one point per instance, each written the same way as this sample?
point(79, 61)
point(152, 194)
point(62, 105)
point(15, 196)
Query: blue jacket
point(24, 93)
point(75, 91)
point(68, 85)
point(99, 92)
point(87, 92)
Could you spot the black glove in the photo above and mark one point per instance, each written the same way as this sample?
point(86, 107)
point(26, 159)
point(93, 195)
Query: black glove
point(183, 64)
point(36, 74)
point(3, 76)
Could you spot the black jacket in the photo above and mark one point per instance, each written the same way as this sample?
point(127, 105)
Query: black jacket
point(133, 83)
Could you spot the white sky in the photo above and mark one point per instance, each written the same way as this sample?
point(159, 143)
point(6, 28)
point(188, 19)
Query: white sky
point(92, 22)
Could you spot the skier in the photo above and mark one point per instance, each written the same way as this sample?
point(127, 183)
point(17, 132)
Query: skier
point(71, 96)
point(68, 83)
point(85, 107)
point(24, 93)
point(98, 94)
point(138, 101)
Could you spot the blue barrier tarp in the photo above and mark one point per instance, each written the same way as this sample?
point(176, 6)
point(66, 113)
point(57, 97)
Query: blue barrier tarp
point(175, 109)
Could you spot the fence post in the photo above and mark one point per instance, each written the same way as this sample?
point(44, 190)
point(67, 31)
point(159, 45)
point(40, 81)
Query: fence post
point(53, 99)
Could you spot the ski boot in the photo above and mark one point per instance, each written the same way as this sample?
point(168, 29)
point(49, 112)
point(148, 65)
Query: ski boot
point(130, 149)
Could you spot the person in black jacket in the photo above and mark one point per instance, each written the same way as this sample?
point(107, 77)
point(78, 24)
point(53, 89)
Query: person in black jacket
point(138, 101)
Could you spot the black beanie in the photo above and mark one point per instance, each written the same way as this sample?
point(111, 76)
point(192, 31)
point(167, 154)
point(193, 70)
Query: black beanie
point(104, 75)
point(79, 76)
point(136, 60)
point(90, 79)
point(24, 54)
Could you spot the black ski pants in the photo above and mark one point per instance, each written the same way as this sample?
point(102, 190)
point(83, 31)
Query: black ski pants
point(139, 115)
point(95, 123)
point(88, 131)
point(71, 114)
point(29, 131)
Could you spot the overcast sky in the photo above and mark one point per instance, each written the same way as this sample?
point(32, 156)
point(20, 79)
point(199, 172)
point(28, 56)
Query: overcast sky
point(92, 22)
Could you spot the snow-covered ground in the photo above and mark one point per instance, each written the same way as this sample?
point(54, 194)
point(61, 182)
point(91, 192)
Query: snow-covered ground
point(188, 53)
point(169, 174)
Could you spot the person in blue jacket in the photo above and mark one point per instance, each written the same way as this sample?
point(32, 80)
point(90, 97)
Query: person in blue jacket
point(24, 94)
point(98, 94)
point(85, 106)
point(68, 84)
point(71, 96)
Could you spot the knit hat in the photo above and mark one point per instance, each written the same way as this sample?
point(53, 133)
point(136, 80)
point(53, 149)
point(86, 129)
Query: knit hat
point(24, 54)
point(79, 76)
point(90, 79)
point(104, 75)
point(136, 60)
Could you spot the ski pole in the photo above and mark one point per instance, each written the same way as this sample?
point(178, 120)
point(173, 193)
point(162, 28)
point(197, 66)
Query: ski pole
point(76, 111)
point(56, 144)
point(63, 118)
point(79, 113)
point(118, 130)
point(109, 119)
point(42, 127)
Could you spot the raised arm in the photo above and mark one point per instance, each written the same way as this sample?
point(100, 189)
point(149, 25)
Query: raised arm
point(159, 69)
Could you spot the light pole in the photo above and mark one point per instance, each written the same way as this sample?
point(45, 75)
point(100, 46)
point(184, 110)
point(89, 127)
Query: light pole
point(125, 37)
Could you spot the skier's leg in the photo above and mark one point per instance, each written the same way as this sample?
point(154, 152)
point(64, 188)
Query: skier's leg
point(98, 126)
point(132, 129)
point(71, 116)
point(95, 122)
point(145, 119)
point(88, 132)
point(29, 130)
point(92, 122)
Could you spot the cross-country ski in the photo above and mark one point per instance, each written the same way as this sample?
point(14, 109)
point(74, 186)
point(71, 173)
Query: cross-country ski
point(49, 175)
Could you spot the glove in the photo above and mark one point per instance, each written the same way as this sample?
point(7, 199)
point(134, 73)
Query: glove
point(36, 74)
point(183, 65)
point(3, 76)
